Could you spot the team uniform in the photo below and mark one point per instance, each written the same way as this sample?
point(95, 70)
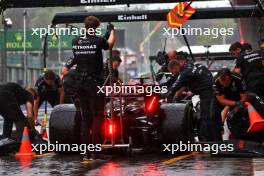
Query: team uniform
point(170, 81)
point(252, 71)
point(88, 59)
point(168, 84)
point(232, 92)
point(199, 80)
point(69, 82)
point(161, 71)
point(12, 97)
point(69, 86)
point(115, 73)
point(48, 93)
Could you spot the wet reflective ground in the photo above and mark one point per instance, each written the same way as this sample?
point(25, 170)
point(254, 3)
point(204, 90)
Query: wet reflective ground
point(137, 165)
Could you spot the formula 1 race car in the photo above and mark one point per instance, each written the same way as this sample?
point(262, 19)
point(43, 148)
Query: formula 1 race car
point(147, 122)
point(139, 121)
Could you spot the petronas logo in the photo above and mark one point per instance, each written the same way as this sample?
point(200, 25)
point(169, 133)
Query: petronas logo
point(19, 37)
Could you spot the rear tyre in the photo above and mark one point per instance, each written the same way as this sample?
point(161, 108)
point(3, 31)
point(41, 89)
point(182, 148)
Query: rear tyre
point(177, 123)
point(65, 125)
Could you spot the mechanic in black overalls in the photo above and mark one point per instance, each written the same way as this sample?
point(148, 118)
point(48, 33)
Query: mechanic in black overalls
point(69, 81)
point(250, 65)
point(88, 58)
point(12, 97)
point(116, 61)
point(174, 70)
point(198, 79)
point(49, 87)
point(171, 55)
point(230, 91)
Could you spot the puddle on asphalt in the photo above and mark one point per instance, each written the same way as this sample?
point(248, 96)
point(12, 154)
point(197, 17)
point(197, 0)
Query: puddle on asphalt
point(139, 165)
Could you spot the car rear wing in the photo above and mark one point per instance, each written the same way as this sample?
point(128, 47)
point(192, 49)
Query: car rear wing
point(158, 15)
point(71, 3)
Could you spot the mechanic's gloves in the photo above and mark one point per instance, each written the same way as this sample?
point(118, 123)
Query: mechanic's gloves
point(110, 27)
point(107, 35)
point(34, 135)
point(240, 104)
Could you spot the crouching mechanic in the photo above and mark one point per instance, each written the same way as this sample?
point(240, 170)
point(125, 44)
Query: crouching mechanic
point(198, 79)
point(230, 92)
point(49, 87)
point(250, 65)
point(88, 58)
point(174, 70)
point(12, 97)
point(171, 55)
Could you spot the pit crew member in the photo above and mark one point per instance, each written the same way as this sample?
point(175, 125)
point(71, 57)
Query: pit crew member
point(88, 58)
point(230, 91)
point(171, 55)
point(250, 65)
point(12, 97)
point(116, 61)
point(198, 79)
point(49, 87)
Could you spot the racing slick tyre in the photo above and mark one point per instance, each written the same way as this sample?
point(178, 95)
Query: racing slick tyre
point(177, 123)
point(64, 125)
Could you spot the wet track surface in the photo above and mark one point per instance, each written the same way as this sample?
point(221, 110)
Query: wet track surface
point(138, 165)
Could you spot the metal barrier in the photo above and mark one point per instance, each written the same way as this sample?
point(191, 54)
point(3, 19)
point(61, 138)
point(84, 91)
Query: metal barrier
point(16, 74)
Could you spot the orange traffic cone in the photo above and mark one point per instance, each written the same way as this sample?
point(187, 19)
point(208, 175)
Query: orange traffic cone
point(25, 161)
point(256, 121)
point(25, 147)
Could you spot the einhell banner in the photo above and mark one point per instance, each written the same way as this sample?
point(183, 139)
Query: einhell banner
point(53, 3)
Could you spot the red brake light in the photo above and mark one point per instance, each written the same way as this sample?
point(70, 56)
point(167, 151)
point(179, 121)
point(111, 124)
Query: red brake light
point(111, 129)
point(151, 103)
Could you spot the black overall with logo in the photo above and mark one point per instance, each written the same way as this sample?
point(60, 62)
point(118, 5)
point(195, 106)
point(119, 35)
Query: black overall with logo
point(88, 59)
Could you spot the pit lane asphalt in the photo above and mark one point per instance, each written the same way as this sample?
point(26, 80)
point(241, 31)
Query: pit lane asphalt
point(139, 164)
